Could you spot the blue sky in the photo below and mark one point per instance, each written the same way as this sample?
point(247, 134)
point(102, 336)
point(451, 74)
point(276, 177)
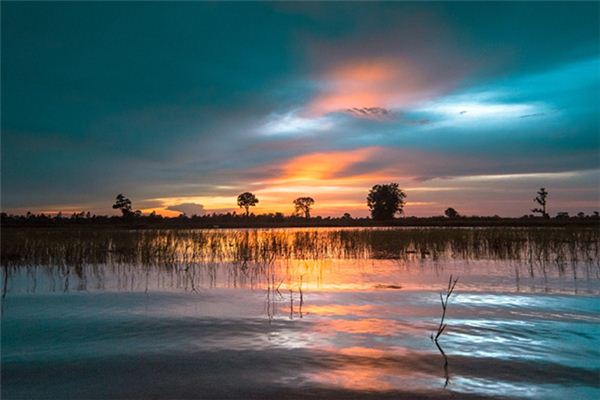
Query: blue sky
point(183, 106)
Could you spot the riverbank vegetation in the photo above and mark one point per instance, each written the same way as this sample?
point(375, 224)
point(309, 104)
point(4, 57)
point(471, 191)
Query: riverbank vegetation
point(278, 220)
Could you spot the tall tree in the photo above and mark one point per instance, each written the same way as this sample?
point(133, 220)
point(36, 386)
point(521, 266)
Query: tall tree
point(303, 206)
point(247, 200)
point(540, 199)
point(124, 204)
point(385, 201)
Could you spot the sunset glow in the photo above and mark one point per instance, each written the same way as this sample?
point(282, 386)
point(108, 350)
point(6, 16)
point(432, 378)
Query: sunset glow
point(457, 115)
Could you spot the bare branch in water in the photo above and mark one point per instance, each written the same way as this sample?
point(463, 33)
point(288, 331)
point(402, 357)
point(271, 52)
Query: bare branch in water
point(442, 326)
point(301, 296)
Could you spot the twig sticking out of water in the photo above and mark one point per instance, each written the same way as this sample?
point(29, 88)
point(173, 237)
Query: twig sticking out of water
point(301, 296)
point(4, 289)
point(444, 299)
point(442, 326)
point(291, 304)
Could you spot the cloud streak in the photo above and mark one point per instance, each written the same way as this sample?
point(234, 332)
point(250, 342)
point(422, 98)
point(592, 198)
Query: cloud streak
point(187, 208)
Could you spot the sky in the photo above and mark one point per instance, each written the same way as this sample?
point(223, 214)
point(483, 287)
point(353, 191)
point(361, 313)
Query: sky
point(183, 106)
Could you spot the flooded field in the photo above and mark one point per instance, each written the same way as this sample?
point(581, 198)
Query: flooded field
point(300, 313)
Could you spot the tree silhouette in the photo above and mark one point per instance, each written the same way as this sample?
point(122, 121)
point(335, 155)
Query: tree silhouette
point(247, 200)
point(451, 212)
point(541, 200)
point(385, 201)
point(124, 204)
point(303, 205)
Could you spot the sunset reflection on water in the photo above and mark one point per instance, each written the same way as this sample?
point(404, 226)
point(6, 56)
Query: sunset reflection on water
point(329, 311)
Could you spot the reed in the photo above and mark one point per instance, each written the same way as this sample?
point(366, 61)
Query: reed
point(538, 247)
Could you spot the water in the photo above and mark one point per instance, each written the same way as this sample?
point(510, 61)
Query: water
point(325, 313)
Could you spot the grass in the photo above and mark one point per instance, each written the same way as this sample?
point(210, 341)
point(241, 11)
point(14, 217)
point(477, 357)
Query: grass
point(540, 248)
point(249, 255)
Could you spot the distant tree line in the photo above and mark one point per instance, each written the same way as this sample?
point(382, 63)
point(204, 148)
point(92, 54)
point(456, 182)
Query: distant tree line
point(235, 220)
point(385, 202)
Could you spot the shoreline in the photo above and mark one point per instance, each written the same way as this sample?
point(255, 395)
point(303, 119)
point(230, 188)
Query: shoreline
point(410, 222)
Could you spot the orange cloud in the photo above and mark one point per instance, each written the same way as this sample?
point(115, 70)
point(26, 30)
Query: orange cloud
point(370, 83)
point(320, 166)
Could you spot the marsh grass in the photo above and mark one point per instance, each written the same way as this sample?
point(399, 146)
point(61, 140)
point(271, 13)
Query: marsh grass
point(540, 247)
point(84, 259)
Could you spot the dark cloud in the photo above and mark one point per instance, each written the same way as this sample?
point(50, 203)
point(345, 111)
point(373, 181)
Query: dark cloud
point(405, 119)
point(370, 112)
point(385, 114)
point(532, 115)
point(188, 208)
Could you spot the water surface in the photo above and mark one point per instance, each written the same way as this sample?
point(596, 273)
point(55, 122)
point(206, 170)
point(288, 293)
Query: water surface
point(300, 313)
